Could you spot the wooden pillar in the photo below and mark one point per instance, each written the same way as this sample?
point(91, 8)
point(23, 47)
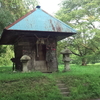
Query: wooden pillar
point(51, 56)
point(18, 54)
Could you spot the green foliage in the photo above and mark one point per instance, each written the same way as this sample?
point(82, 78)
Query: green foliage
point(82, 15)
point(11, 10)
point(6, 53)
point(60, 46)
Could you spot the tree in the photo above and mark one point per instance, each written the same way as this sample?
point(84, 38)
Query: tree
point(11, 10)
point(81, 15)
point(60, 46)
point(6, 54)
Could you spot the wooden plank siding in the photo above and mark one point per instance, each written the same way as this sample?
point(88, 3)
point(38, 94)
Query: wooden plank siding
point(43, 56)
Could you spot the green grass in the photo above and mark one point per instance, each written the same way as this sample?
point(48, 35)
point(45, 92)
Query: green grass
point(82, 81)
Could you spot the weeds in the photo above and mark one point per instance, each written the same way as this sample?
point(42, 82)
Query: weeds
point(83, 83)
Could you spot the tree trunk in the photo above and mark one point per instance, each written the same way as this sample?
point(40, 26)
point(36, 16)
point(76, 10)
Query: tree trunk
point(84, 63)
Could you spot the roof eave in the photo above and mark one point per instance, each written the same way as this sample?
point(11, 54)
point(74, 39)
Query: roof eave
point(16, 33)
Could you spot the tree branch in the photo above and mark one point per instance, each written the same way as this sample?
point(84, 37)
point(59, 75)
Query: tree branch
point(75, 53)
point(88, 47)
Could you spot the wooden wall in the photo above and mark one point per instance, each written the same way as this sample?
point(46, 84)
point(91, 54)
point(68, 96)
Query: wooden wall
point(42, 52)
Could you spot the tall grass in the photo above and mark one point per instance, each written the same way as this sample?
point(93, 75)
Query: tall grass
point(83, 83)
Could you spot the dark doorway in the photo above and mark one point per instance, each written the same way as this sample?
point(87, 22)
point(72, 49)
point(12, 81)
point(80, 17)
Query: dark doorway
point(40, 52)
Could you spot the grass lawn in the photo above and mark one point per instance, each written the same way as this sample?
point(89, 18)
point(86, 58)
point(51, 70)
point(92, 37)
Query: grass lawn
point(82, 81)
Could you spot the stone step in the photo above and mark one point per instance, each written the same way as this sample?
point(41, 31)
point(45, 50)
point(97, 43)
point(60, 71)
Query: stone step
point(65, 93)
point(58, 81)
point(61, 85)
point(63, 89)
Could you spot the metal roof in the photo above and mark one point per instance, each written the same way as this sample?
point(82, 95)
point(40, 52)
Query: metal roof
point(39, 22)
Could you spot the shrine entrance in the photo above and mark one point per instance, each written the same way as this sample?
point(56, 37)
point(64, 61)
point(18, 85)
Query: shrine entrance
point(40, 58)
point(40, 52)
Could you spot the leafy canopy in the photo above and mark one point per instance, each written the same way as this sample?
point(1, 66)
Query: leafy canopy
point(83, 15)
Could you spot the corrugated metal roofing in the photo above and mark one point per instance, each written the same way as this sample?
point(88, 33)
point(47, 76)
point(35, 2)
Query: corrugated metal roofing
point(39, 20)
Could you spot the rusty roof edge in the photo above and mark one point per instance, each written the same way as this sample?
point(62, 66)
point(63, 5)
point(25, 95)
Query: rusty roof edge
point(60, 21)
point(74, 32)
point(36, 31)
point(20, 19)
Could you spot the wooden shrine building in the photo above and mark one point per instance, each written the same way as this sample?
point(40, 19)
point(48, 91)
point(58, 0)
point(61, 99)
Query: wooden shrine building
point(36, 35)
